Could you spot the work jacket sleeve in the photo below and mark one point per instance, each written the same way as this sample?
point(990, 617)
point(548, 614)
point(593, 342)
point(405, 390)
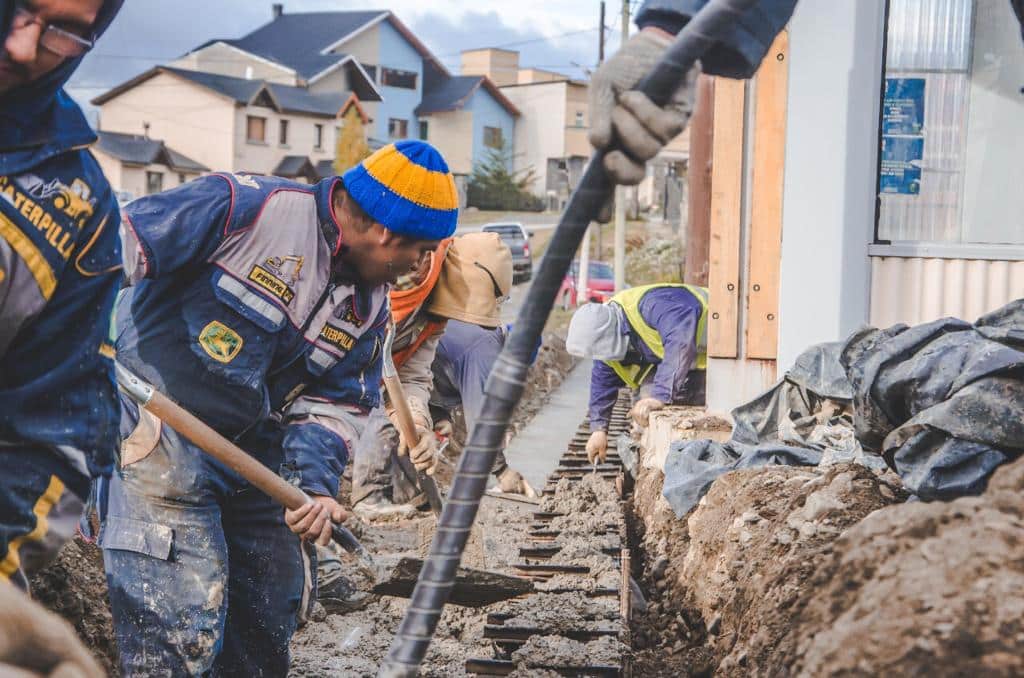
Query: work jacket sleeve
point(604, 391)
point(164, 232)
point(675, 317)
point(322, 425)
point(417, 380)
point(740, 53)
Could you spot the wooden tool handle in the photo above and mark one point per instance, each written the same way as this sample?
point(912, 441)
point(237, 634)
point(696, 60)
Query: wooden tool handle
point(226, 452)
point(406, 424)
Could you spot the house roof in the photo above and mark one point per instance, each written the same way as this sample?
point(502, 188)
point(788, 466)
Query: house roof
point(304, 42)
point(325, 168)
point(292, 166)
point(139, 150)
point(455, 92)
point(284, 97)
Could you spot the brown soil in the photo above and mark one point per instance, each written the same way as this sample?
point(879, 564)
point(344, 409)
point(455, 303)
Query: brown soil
point(808, 572)
point(75, 587)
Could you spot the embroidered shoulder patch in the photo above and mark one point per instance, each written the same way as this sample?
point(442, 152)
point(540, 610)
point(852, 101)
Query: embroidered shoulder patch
point(337, 337)
point(271, 283)
point(220, 342)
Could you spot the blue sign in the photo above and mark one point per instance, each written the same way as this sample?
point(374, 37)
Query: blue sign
point(901, 165)
point(903, 106)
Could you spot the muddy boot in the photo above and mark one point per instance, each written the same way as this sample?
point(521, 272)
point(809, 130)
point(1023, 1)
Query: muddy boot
point(334, 591)
point(375, 506)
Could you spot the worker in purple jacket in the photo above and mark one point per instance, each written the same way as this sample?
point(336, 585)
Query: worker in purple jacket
point(652, 338)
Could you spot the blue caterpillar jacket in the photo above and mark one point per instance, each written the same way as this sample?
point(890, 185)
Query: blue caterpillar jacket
point(235, 314)
point(59, 272)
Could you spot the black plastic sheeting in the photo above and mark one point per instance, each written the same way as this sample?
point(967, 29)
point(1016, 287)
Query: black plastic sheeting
point(942, 403)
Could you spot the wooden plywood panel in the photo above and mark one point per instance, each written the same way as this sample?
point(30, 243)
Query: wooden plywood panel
point(726, 217)
point(766, 202)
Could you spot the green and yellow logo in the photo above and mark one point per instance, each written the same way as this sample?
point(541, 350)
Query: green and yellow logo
point(220, 342)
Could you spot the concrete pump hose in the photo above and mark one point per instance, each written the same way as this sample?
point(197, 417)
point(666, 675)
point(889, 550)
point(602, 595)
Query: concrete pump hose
point(506, 382)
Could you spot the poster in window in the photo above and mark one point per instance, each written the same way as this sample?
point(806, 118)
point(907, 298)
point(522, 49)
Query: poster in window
point(901, 165)
point(903, 106)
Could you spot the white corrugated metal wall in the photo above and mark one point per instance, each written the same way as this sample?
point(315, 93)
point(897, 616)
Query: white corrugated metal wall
point(917, 290)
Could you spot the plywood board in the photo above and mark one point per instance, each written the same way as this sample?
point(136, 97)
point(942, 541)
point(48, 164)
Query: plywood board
point(726, 218)
point(762, 283)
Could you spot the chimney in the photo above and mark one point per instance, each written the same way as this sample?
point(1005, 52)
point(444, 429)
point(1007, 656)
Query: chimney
point(278, 9)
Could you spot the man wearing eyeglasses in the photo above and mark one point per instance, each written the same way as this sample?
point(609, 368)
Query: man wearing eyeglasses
point(59, 272)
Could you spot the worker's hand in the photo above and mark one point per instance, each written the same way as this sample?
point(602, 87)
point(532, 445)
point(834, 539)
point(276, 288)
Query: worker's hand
point(512, 482)
point(597, 447)
point(640, 127)
point(36, 642)
point(444, 428)
point(312, 522)
point(424, 455)
point(641, 412)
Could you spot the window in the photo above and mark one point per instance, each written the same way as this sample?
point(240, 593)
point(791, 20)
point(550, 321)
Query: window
point(182, 178)
point(154, 182)
point(255, 129)
point(952, 152)
point(423, 130)
point(282, 132)
point(493, 137)
point(398, 128)
point(318, 136)
point(393, 77)
point(579, 118)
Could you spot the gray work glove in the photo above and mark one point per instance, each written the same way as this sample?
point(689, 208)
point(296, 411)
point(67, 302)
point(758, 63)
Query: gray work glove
point(36, 642)
point(641, 128)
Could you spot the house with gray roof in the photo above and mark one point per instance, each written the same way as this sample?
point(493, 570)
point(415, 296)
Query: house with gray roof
point(271, 101)
point(137, 165)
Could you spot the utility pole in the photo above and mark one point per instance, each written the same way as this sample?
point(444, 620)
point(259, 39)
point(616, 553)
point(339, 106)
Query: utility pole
point(620, 192)
point(583, 273)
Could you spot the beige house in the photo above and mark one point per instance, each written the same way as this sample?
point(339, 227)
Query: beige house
point(137, 165)
point(230, 123)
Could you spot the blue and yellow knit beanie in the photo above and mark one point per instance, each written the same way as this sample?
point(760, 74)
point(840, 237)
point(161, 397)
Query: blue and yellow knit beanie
point(406, 187)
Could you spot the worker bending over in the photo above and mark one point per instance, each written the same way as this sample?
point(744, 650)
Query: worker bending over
point(466, 279)
point(259, 305)
point(652, 338)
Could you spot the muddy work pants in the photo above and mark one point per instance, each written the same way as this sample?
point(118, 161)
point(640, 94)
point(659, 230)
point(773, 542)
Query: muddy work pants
point(41, 496)
point(205, 577)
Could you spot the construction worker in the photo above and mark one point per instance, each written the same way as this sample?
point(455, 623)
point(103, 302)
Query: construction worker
point(260, 305)
point(639, 126)
point(59, 261)
point(652, 338)
point(465, 356)
point(467, 279)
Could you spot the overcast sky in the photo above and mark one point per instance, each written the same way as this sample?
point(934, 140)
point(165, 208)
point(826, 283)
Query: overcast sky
point(559, 35)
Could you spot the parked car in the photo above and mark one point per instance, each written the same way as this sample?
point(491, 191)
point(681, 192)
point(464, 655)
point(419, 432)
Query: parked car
point(518, 240)
point(600, 284)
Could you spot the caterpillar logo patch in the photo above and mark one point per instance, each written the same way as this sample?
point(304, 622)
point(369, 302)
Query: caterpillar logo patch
point(338, 338)
point(272, 284)
point(220, 342)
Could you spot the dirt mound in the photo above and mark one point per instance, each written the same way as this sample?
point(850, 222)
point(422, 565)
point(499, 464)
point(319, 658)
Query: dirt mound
point(923, 588)
point(75, 587)
point(728, 584)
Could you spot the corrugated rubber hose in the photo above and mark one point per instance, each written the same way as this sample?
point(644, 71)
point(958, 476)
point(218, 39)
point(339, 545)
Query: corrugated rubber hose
point(505, 384)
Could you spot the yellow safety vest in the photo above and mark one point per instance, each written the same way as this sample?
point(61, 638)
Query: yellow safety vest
point(629, 301)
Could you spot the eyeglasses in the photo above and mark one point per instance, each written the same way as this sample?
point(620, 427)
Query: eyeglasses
point(58, 40)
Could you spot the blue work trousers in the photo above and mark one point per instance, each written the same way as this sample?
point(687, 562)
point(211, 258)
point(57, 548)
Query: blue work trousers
point(205, 577)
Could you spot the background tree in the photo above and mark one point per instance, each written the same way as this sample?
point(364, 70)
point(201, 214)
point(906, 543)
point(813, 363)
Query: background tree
point(493, 187)
point(351, 147)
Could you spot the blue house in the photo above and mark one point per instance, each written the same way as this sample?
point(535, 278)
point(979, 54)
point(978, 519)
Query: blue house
point(414, 95)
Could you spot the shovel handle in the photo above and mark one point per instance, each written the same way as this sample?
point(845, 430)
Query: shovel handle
point(226, 452)
point(407, 428)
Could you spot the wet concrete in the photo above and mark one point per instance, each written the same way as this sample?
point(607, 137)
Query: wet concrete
point(536, 450)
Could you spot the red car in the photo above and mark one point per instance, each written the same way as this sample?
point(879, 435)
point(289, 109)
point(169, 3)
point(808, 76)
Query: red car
point(600, 284)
